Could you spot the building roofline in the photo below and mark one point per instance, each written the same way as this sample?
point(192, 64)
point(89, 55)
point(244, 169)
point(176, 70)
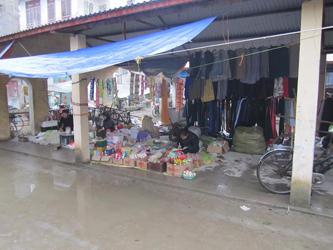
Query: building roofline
point(101, 16)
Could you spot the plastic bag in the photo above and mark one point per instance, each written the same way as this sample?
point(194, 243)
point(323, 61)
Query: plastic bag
point(249, 140)
point(206, 159)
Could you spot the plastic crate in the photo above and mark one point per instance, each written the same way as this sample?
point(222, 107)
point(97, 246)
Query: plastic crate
point(66, 139)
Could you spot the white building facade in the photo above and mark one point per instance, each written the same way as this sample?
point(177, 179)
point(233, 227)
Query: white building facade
point(34, 13)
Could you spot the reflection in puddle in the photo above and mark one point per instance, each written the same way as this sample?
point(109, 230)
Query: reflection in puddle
point(62, 178)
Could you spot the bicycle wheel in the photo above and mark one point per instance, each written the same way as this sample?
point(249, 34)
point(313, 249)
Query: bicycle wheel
point(18, 121)
point(155, 112)
point(12, 126)
point(274, 171)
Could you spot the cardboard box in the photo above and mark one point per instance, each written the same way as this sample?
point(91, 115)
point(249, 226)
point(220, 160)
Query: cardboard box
point(117, 161)
point(177, 170)
point(96, 158)
point(105, 159)
point(142, 163)
point(129, 162)
point(218, 149)
point(157, 167)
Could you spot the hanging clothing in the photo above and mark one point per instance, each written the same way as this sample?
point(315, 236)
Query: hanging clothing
point(92, 88)
point(225, 65)
point(194, 63)
point(209, 59)
point(279, 62)
point(252, 67)
point(179, 94)
point(280, 106)
point(158, 88)
point(240, 63)
point(294, 61)
point(217, 70)
point(97, 93)
point(285, 87)
point(264, 62)
point(136, 88)
point(278, 87)
point(232, 63)
point(188, 83)
point(165, 106)
point(292, 86)
point(270, 123)
point(195, 89)
point(152, 86)
point(222, 90)
point(208, 91)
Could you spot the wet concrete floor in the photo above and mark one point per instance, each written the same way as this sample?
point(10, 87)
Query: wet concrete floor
point(51, 205)
point(235, 178)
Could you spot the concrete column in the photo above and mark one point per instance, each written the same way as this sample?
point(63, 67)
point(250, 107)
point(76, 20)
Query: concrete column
point(38, 102)
point(4, 121)
point(80, 107)
point(307, 96)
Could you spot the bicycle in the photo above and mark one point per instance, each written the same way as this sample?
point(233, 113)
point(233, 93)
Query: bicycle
point(156, 110)
point(16, 123)
point(274, 170)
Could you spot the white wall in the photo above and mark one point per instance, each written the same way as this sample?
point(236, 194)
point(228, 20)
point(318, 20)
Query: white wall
point(78, 8)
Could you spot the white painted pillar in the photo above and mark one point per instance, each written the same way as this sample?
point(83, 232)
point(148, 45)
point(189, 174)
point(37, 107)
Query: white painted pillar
point(307, 96)
point(4, 121)
point(38, 103)
point(80, 107)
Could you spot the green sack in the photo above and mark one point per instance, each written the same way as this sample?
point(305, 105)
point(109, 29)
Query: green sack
point(249, 140)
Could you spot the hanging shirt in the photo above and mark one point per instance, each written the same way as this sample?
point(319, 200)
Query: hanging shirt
point(225, 65)
point(294, 61)
point(222, 89)
point(278, 87)
point(217, 71)
point(208, 91)
point(188, 83)
point(264, 63)
point(240, 63)
point(252, 66)
point(279, 62)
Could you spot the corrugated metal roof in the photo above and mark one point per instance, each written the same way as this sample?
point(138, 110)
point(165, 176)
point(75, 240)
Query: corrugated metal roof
point(242, 19)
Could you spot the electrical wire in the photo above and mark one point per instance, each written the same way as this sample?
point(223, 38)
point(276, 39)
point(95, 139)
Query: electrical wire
point(241, 41)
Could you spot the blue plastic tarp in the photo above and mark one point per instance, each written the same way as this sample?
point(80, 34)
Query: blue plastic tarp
point(96, 58)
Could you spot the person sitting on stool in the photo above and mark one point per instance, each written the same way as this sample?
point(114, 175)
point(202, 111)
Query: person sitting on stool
point(66, 121)
point(107, 124)
point(188, 142)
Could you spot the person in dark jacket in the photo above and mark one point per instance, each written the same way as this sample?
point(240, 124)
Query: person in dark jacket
point(107, 124)
point(66, 121)
point(188, 142)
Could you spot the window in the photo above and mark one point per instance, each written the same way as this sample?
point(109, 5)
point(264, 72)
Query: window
point(66, 9)
point(88, 7)
point(51, 10)
point(33, 13)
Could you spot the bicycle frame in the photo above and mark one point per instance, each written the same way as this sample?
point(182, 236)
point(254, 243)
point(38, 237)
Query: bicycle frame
point(327, 168)
point(323, 171)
